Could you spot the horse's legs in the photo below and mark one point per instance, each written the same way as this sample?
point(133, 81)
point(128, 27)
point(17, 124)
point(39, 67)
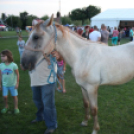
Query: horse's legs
point(86, 106)
point(92, 94)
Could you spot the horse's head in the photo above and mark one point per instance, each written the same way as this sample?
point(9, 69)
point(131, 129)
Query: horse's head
point(40, 41)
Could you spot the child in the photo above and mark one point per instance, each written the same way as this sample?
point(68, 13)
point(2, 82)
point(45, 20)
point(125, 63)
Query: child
point(9, 76)
point(61, 67)
point(21, 45)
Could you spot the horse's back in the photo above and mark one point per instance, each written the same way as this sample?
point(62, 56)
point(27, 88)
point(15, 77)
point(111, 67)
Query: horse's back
point(118, 64)
point(106, 64)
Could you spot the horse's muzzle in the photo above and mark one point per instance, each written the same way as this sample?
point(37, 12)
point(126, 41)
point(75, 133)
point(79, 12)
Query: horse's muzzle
point(28, 63)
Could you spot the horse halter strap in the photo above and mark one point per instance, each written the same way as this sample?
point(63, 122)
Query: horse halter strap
point(39, 50)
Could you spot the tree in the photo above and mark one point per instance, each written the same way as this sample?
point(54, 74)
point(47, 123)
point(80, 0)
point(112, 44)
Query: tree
point(78, 14)
point(92, 11)
point(66, 20)
point(13, 21)
point(23, 17)
point(3, 16)
point(29, 20)
point(84, 13)
point(45, 17)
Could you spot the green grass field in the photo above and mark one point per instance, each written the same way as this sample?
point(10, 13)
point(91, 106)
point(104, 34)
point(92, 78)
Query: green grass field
point(12, 33)
point(116, 106)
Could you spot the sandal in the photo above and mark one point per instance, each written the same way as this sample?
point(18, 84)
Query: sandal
point(59, 90)
point(4, 110)
point(16, 111)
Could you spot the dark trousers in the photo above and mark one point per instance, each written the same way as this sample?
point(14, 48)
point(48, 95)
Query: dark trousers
point(44, 99)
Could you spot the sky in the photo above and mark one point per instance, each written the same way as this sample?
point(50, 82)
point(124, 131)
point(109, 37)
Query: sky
point(49, 7)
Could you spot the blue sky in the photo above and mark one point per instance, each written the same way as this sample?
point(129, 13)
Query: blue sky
point(48, 7)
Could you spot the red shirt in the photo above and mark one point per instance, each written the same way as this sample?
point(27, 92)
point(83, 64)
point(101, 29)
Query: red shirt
point(115, 33)
point(91, 30)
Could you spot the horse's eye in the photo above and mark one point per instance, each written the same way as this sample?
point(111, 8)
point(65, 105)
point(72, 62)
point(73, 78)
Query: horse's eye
point(35, 37)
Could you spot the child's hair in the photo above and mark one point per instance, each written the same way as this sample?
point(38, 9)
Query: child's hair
point(8, 54)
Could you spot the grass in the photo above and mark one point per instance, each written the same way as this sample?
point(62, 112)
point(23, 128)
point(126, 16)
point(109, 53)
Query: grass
point(12, 33)
point(116, 106)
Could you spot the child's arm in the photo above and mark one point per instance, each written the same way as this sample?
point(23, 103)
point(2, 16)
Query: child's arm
point(17, 84)
point(64, 69)
point(0, 80)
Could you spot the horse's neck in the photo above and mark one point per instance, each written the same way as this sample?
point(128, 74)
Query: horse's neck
point(69, 48)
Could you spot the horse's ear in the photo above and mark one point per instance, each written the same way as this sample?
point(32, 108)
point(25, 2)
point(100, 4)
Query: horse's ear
point(34, 22)
point(51, 20)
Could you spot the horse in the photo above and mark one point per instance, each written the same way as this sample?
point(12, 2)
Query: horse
point(92, 63)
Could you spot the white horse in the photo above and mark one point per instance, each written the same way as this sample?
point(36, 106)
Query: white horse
point(92, 64)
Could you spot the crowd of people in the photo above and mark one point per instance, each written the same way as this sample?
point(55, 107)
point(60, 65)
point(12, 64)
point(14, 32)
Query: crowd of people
point(104, 33)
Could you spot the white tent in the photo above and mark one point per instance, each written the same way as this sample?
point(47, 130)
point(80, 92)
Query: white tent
point(114, 18)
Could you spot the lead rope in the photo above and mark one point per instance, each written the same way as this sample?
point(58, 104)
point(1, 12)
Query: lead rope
point(53, 61)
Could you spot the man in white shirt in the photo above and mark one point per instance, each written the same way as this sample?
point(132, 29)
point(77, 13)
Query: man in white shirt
point(95, 35)
point(43, 86)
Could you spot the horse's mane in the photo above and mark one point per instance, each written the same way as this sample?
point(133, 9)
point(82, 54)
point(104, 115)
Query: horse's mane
point(63, 29)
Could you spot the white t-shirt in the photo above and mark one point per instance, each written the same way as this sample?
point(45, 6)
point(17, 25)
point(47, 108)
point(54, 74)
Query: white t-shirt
point(93, 36)
point(21, 45)
point(40, 74)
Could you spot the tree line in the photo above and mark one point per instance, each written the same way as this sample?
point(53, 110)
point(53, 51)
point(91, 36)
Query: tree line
point(79, 16)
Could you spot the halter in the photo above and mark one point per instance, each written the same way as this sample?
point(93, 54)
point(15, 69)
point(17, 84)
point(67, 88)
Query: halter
point(39, 50)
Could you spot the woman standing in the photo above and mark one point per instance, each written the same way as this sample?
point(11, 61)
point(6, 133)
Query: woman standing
point(86, 33)
point(80, 31)
point(115, 36)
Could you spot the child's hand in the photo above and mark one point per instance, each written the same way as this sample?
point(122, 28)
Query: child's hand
point(64, 69)
point(17, 85)
point(55, 54)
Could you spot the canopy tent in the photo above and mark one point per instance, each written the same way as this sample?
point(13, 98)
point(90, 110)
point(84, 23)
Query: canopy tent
point(67, 25)
point(114, 18)
point(72, 25)
point(2, 26)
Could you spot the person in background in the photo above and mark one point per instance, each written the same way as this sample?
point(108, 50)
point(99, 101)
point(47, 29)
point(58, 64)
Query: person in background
point(86, 33)
point(30, 28)
point(95, 35)
point(80, 31)
point(108, 29)
point(91, 29)
point(104, 34)
point(75, 29)
point(115, 36)
point(20, 31)
point(9, 75)
point(111, 32)
point(21, 45)
point(17, 31)
point(120, 35)
point(131, 34)
point(27, 29)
